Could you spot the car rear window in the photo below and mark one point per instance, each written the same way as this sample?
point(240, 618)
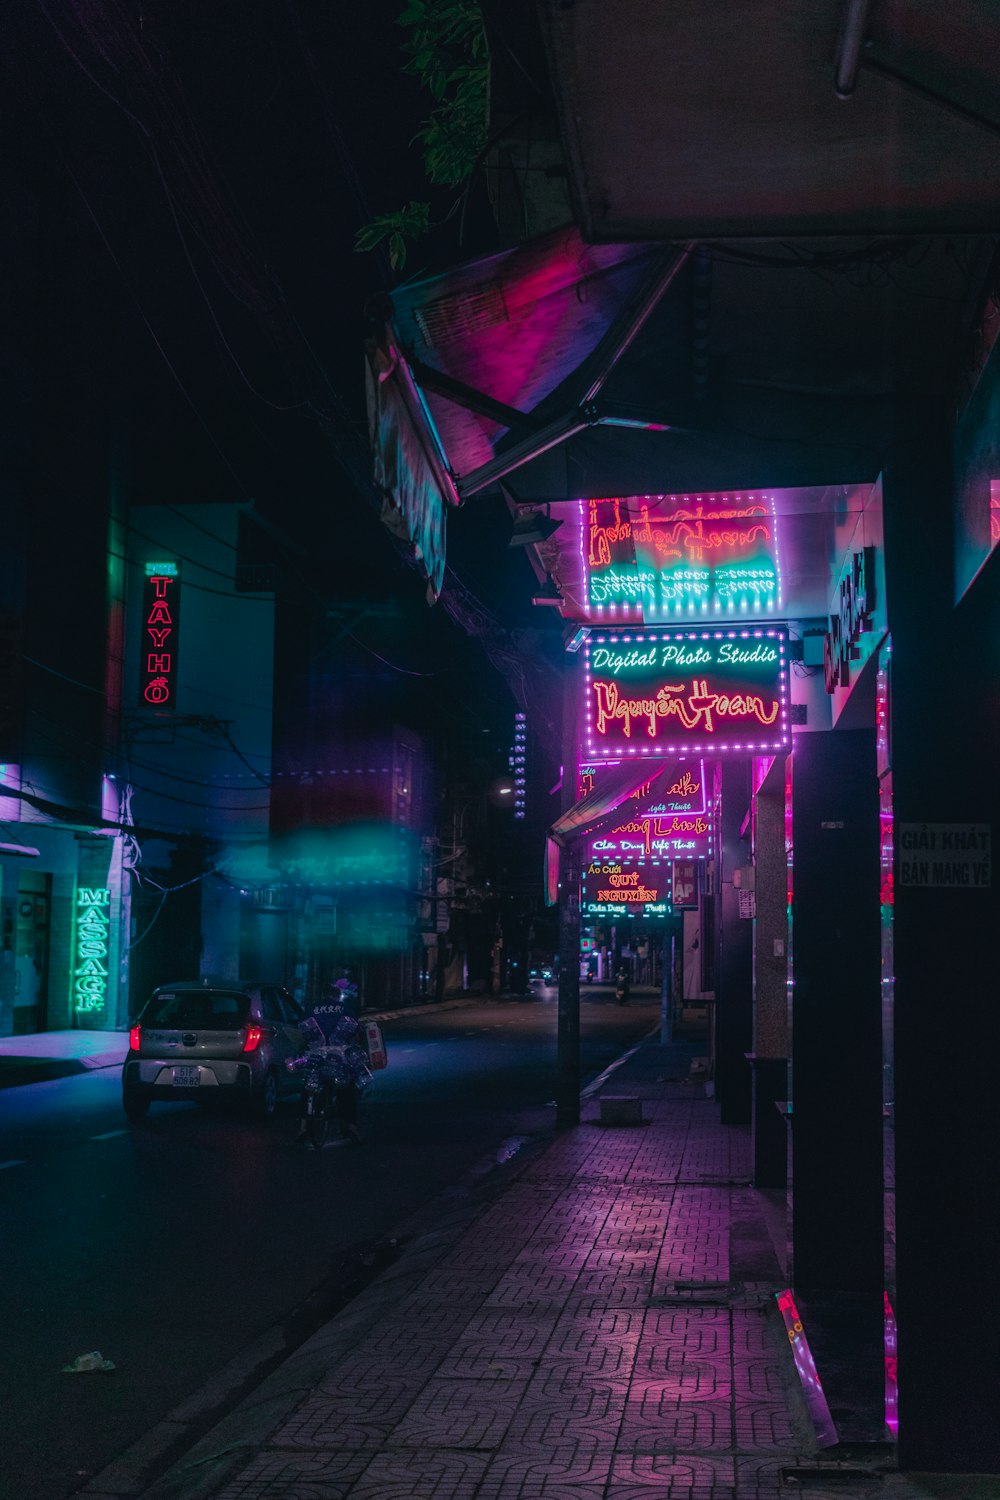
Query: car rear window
point(208, 1010)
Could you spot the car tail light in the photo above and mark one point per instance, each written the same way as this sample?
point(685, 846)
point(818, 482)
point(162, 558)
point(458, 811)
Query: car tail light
point(134, 1038)
point(252, 1039)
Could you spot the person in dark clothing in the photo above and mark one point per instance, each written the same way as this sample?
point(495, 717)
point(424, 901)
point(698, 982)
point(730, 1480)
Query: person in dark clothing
point(622, 987)
point(332, 1032)
point(349, 992)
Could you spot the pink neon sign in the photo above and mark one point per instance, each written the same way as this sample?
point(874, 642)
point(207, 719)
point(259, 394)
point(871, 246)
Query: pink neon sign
point(650, 691)
point(160, 615)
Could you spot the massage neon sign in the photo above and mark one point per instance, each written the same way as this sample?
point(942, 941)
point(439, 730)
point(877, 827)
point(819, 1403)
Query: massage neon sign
point(90, 971)
point(161, 618)
point(650, 692)
point(652, 558)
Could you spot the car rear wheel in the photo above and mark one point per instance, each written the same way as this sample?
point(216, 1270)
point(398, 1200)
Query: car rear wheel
point(135, 1102)
point(266, 1099)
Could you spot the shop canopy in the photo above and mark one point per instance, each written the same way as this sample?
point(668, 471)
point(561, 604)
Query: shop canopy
point(612, 787)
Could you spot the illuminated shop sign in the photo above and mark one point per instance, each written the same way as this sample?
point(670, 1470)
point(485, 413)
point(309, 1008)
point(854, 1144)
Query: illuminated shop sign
point(660, 836)
point(611, 888)
point(681, 789)
point(653, 557)
point(518, 763)
point(856, 598)
point(90, 970)
point(648, 692)
point(158, 649)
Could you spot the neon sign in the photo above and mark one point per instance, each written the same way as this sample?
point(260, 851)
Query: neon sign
point(655, 691)
point(90, 973)
point(855, 604)
point(517, 759)
point(701, 558)
point(660, 837)
point(612, 889)
point(160, 614)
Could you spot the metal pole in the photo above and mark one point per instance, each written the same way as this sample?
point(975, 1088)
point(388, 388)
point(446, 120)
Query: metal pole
point(666, 991)
point(568, 1043)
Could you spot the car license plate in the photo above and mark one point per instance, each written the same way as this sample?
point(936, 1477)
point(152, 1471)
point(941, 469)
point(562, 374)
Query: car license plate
point(187, 1078)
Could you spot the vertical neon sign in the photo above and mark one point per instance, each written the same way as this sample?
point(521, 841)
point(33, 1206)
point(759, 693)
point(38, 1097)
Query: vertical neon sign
point(90, 971)
point(160, 621)
point(518, 760)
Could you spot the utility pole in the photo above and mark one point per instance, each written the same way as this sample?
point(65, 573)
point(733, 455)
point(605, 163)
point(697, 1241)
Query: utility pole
point(568, 1082)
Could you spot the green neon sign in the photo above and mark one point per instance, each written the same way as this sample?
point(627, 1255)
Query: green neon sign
point(90, 971)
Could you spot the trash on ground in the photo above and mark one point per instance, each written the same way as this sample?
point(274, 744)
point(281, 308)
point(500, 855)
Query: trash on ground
point(84, 1363)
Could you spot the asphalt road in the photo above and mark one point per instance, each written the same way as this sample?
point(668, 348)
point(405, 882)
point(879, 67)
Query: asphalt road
point(171, 1246)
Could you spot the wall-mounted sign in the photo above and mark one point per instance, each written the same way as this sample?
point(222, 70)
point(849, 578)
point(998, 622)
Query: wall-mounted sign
point(160, 624)
point(856, 599)
point(679, 789)
point(945, 855)
point(648, 692)
point(612, 888)
point(685, 883)
point(660, 557)
point(655, 836)
point(90, 970)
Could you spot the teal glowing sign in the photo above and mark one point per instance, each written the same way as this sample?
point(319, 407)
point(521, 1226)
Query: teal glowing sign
point(660, 557)
point(90, 971)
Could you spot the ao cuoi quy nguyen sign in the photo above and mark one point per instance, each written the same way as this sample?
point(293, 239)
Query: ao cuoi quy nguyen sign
point(650, 692)
point(612, 889)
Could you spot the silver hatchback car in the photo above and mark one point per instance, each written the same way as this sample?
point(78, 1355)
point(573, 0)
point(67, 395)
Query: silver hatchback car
point(208, 1040)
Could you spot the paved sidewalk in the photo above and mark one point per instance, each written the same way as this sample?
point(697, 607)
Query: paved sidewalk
point(594, 1320)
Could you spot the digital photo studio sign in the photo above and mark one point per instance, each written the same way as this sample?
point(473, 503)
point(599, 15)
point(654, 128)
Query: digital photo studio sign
point(657, 692)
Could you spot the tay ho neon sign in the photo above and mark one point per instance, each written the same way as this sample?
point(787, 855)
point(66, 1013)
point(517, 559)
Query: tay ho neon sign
point(160, 614)
point(650, 692)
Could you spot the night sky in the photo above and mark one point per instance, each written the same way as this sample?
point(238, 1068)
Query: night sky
point(183, 187)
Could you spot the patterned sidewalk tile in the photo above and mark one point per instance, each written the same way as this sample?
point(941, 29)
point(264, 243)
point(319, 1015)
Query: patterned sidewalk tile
point(557, 1472)
point(486, 1366)
point(505, 1334)
point(411, 1475)
point(555, 1282)
point(694, 1427)
point(588, 1413)
point(764, 1426)
point(612, 1288)
point(459, 1414)
point(667, 1476)
point(274, 1475)
point(689, 1381)
point(560, 1382)
point(342, 1421)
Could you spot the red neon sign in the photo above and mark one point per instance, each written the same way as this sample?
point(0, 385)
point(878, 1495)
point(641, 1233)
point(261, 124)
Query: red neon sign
point(160, 615)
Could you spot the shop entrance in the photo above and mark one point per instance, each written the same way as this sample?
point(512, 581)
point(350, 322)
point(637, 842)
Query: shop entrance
point(31, 954)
